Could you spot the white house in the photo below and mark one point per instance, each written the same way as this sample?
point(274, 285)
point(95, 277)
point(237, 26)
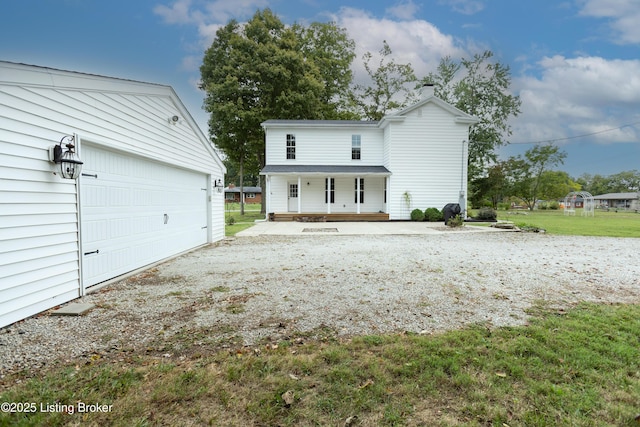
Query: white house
point(150, 185)
point(415, 158)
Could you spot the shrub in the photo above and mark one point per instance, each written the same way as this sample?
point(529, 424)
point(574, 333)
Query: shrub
point(417, 215)
point(456, 221)
point(433, 215)
point(231, 220)
point(554, 205)
point(487, 214)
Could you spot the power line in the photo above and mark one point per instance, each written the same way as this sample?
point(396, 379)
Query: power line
point(554, 140)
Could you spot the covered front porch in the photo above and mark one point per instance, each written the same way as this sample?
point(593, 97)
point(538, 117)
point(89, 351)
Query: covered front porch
point(325, 217)
point(314, 193)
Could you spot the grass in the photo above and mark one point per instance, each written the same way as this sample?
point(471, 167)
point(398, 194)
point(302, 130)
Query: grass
point(612, 224)
point(579, 367)
point(234, 222)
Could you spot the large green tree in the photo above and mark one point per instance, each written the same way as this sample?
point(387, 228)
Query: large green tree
point(333, 52)
point(493, 187)
point(555, 185)
point(529, 176)
point(390, 87)
point(479, 87)
point(264, 70)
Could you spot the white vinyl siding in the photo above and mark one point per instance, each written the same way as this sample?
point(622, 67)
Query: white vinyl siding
point(427, 160)
point(39, 217)
point(39, 265)
point(324, 146)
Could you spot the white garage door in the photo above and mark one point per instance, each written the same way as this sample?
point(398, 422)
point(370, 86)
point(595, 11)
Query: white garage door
point(135, 212)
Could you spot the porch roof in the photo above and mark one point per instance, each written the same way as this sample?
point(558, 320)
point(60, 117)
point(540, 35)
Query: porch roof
point(617, 196)
point(324, 170)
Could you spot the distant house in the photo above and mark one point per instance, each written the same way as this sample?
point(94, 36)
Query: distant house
point(251, 194)
point(413, 159)
point(146, 190)
point(629, 201)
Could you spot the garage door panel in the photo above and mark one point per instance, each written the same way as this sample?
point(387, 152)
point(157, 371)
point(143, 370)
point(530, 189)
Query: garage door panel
point(136, 212)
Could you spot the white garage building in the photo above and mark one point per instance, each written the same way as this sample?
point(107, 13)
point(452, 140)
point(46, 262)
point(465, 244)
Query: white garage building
point(150, 185)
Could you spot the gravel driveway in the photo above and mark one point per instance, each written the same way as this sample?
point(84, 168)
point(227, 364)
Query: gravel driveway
point(247, 290)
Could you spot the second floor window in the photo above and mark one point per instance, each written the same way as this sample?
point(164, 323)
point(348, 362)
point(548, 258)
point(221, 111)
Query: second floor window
point(291, 147)
point(355, 147)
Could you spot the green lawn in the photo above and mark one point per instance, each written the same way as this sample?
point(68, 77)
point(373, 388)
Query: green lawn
point(613, 224)
point(234, 222)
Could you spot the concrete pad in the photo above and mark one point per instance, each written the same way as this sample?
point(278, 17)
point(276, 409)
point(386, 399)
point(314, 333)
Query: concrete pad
point(73, 309)
point(286, 228)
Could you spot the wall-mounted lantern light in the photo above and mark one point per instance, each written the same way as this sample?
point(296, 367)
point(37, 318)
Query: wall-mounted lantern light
point(217, 184)
point(66, 157)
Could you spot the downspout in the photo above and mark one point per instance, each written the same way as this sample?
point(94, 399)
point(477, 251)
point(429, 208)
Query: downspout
point(78, 185)
point(462, 199)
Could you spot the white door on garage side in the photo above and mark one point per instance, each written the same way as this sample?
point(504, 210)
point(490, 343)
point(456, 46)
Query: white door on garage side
point(135, 212)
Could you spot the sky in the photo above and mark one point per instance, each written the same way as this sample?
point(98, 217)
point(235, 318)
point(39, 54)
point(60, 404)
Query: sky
point(575, 64)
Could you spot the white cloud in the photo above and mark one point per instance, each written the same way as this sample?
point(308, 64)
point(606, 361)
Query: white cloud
point(578, 96)
point(208, 16)
point(404, 11)
point(178, 13)
point(623, 16)
point(416, 42)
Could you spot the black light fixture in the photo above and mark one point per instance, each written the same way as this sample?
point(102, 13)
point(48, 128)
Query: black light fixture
point(66, 157)
point(217, 184)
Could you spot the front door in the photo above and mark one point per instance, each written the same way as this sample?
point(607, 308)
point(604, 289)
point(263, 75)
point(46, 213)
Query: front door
point(293, 197)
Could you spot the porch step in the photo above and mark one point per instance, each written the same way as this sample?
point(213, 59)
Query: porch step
point(333, 217)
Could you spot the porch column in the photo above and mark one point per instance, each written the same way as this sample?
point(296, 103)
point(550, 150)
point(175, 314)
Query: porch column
point(358, 195)
point(299, 194)
point(267, 193)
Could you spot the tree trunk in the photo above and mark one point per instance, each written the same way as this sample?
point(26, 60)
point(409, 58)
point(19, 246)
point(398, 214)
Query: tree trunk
point(242, 186)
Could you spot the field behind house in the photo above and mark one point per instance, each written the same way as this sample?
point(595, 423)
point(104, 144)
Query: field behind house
point(612, 224)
